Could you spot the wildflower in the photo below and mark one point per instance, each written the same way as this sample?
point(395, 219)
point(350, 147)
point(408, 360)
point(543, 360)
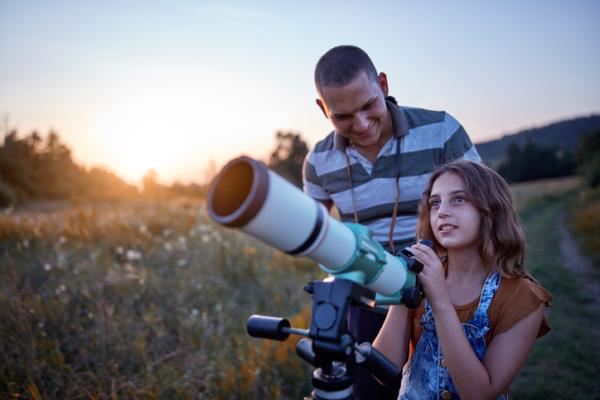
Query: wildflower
point(31, 310)
point(182, 262)
point(47, 267)
point(90, 315)
point(168, 246)
point(119, 250)
point(194, 312)
point(204, 319)
point(62, 240)
point(205, 238)
point(133, 255)
point(143, 229)
point(203, 227)
point(63, 288)
point(182, 243)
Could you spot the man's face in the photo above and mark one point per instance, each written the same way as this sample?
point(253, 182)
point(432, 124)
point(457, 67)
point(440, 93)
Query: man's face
point(358, 111)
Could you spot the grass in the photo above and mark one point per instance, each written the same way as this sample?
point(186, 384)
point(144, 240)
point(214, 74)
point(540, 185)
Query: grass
point(150, 301)
point(142, 301)
point(585, 220)
point(566, 362)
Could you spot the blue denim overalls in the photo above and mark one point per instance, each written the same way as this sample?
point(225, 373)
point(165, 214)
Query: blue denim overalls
point(425, 376)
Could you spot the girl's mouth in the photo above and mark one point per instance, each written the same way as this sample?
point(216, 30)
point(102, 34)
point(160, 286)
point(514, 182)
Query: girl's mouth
point(445, 228)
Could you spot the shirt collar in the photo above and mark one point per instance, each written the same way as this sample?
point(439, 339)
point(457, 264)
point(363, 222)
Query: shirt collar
point(399, 124)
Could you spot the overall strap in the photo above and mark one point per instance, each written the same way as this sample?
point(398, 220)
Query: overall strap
point(480, 317)
point(492, 282)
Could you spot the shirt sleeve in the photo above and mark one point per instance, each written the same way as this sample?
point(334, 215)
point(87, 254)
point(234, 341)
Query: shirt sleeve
point(517, 298)
point(457, 144)
point(310, 180)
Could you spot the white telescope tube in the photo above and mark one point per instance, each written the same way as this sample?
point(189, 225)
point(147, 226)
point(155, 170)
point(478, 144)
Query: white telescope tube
point(248, 196)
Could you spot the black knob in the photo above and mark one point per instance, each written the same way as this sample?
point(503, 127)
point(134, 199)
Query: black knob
point(266, 327)
point(412, 297)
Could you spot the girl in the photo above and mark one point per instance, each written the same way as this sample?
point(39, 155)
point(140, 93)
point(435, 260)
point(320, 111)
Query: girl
point(483, 311)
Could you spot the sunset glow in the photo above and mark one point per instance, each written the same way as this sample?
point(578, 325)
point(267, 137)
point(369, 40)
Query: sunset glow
point(173, 86)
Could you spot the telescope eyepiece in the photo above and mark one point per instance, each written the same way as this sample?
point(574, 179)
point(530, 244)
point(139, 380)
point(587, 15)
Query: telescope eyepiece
point(412, 264)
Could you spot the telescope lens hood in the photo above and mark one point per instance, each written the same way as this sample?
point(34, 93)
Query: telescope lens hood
point(238, 192)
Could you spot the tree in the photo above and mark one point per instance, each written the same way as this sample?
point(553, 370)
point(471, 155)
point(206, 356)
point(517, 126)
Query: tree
point(36, 168)
point(534, 162)
point(288, 156)
point(210, 170)
point(588, 158)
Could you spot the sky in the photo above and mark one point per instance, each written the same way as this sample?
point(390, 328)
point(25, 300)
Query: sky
point(178, 85)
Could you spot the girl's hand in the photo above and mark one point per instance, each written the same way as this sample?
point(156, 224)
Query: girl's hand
point(432, 276)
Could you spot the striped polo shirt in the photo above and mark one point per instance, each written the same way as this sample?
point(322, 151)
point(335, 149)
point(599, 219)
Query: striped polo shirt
point(425, 140)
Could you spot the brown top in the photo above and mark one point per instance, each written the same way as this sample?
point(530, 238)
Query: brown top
point(514, 300)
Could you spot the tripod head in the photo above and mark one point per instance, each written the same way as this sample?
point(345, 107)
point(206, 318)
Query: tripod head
point(328, 345)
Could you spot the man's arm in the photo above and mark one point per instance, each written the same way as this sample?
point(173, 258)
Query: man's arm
point(311, 185)
point(457, 143)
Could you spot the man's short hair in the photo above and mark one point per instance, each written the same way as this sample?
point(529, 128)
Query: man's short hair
point(340, 65)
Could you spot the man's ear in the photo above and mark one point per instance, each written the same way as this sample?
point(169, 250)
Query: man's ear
point(322, 107)
point(383, 83)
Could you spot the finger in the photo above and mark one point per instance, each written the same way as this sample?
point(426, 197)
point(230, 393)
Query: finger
point(422, 255)
point(423, 248)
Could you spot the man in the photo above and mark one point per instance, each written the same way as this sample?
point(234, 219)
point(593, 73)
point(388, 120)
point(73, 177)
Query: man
point(374, 166)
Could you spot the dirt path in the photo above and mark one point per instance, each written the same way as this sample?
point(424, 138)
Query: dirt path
point(577, 262)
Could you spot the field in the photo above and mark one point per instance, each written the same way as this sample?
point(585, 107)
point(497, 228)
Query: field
point(150, 300)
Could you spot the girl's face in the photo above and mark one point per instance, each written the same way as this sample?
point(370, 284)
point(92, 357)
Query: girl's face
point(454, 220)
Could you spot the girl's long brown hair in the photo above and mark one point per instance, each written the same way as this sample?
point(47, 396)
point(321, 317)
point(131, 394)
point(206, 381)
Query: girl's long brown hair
point(502, 244)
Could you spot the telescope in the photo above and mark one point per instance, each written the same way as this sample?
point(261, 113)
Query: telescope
point(252, 198)
point(248, 196)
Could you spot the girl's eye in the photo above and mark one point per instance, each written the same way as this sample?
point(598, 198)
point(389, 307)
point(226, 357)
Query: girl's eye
point(459, 199)
point(434, 203)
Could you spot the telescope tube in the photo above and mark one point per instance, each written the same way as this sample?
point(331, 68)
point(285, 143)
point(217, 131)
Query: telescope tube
point(248, 196)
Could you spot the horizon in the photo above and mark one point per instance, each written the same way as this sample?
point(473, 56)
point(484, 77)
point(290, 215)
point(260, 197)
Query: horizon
point(262, 157)
point(111, 79)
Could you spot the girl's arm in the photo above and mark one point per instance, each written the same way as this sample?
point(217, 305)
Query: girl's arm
point(394, 335)
point(504, 356)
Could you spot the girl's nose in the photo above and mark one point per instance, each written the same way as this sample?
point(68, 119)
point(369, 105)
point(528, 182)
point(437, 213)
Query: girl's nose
point(443, 210)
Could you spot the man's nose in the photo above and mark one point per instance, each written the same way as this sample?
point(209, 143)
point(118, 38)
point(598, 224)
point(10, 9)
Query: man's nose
point(361, 122)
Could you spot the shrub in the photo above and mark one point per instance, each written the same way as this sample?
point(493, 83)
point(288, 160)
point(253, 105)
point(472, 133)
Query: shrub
point(7, 195)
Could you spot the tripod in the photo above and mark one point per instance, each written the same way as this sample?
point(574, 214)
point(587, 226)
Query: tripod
point(328, 345)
